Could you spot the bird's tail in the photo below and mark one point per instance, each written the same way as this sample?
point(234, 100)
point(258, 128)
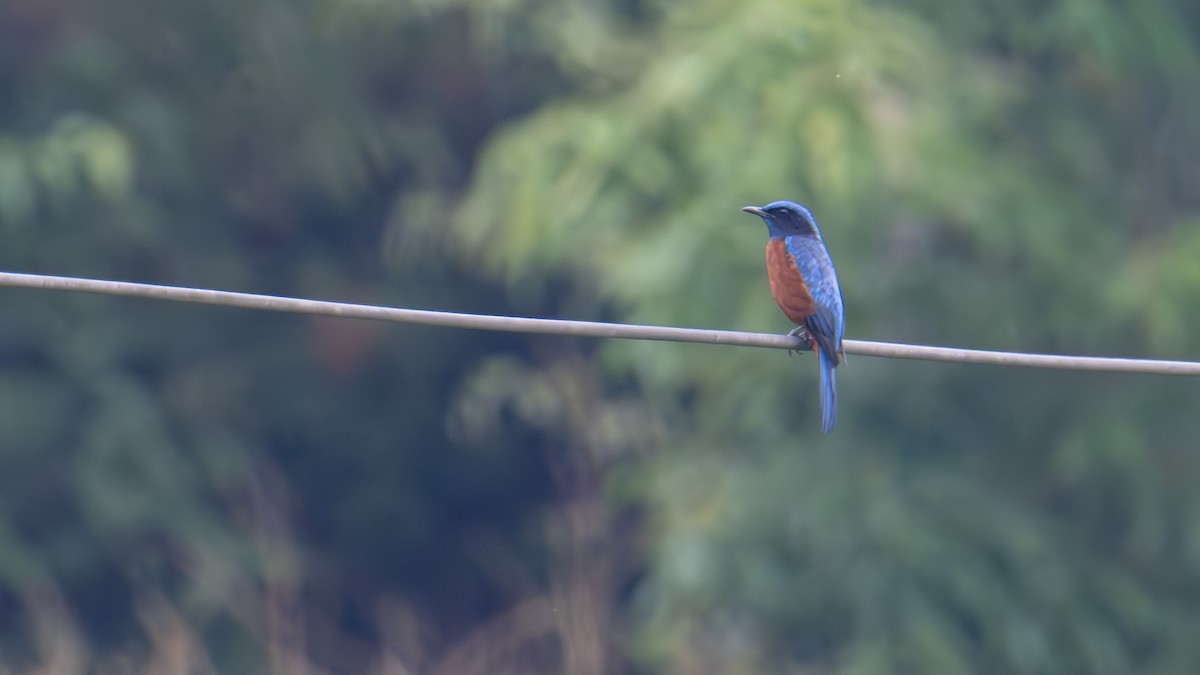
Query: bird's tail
point(828, 390)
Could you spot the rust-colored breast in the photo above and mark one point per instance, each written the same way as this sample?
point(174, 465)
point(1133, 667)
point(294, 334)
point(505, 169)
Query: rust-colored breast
point(787, 285)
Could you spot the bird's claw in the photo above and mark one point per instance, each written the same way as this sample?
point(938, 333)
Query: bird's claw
point(801, 333)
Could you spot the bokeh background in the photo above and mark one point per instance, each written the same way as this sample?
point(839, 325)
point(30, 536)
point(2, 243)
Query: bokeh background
point(188, 489)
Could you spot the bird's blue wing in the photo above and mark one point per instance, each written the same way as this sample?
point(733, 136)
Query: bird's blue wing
point(814, 264)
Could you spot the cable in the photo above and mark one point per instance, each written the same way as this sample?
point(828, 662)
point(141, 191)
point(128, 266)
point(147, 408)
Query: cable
point(584, 328)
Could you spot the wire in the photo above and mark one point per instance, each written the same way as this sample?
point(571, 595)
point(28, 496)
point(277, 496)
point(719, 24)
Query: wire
point(585, 328)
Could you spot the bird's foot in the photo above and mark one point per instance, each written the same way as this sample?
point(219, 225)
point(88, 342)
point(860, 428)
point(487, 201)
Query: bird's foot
point(800, 332)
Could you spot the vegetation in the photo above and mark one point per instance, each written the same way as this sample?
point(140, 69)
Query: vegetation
point(189, 489)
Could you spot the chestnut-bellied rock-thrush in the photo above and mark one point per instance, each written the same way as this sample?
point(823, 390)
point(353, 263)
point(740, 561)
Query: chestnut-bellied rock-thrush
point(805, 287)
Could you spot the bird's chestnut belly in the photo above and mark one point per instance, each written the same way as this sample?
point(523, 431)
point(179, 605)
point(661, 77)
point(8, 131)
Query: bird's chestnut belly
point(787, 284)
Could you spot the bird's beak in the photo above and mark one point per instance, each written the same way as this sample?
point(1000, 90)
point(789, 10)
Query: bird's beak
point(755, 210)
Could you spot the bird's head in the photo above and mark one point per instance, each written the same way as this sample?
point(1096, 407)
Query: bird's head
point(786, 218)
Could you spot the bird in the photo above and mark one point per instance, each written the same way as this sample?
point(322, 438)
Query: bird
point(805, 286)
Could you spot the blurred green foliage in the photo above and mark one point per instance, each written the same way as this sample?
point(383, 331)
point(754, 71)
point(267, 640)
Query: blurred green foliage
point(194, 490)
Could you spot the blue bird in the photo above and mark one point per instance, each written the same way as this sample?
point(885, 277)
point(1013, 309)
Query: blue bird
point(805, 286)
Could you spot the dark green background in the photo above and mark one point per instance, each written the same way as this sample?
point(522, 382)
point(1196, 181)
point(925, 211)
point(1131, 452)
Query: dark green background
point(189, 489)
